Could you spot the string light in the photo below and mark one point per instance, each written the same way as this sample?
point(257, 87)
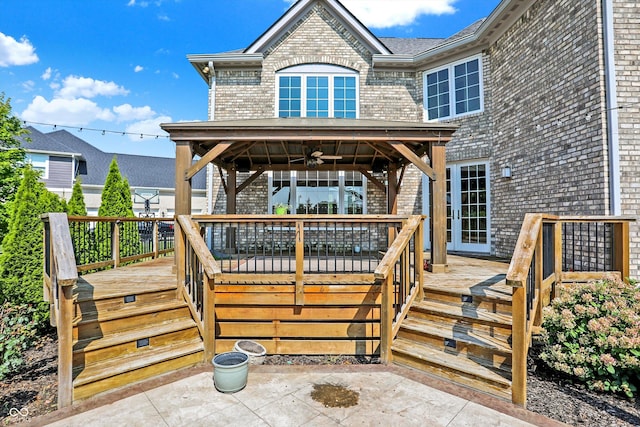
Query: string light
point(102, 131)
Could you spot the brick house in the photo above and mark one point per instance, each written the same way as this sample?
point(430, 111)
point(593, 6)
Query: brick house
point(545, 94)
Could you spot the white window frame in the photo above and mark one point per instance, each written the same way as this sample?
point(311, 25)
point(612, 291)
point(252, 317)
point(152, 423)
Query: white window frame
point(452, 90)
point(39, 164)
point(316, 70)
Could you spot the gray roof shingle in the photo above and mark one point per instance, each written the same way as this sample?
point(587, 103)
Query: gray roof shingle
point(403, 46)
point(140, 171)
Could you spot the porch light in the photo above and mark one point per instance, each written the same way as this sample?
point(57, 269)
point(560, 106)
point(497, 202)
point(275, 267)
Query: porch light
point(506, 172)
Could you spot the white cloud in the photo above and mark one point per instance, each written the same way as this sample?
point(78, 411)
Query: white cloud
point(47, 74)
point(175, 75)
point(126, 112)
point(73, 87)
point(29, 85)
point(393, 13)
point(164, 18)
point(147, 127)
point(13, 52)
point(138, 3)
point(138, 68)
point(70, 112)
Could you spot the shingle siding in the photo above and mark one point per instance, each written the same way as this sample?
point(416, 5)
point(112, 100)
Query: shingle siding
point(60, 172)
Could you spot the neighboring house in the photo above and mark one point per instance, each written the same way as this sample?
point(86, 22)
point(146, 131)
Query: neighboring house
point(63, 157)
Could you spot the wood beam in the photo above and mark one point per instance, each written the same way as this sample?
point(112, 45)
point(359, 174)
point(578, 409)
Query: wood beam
point(206, 159)
point(413, 158)
point(392, 190)
point(372, 179)
point(224, 183)
point(438, 207)
point(249, 180)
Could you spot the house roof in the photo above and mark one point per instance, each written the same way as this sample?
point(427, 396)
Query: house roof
point(288, 143)
point(140, 171)
point(403, 53)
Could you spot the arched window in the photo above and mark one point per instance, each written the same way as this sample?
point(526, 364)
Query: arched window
point(317, 90)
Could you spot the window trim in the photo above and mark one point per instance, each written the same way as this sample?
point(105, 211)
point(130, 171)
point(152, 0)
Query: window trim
point(316, 70)
point(452, 89)
point(29, 159)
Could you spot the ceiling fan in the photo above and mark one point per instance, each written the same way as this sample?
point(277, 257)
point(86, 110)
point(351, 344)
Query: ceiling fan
point(316, 157)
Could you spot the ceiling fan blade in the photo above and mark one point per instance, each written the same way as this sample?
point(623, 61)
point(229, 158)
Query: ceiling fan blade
point(297, 160)
point(319, 161)
point(330, 157)
point(316, 153)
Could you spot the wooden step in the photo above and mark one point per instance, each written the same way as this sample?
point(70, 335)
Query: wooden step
point(93, 350)
point(465, 341)
point(100, 324)
point(119, 301)
point(453, 367)
point(493, 298)
point(130, 368)
point(474, 318)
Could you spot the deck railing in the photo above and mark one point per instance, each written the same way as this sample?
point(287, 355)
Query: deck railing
point(551, 250)
point(263, 259)
point(60, 275)
point(101, 242)
point(401, 274)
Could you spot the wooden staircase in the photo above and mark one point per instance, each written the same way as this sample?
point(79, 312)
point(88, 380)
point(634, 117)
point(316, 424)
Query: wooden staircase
point(461, 332)
point(121, 336)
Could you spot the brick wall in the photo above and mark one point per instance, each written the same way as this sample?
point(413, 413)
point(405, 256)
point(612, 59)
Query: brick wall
point(547, 91)
point(627, 46)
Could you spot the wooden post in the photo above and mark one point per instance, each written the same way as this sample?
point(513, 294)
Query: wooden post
point(519, 346)
point(232, 178)
point(621, 250)
point(386, 320)
point(419, 242)
point(557, 250)
point(115, 243)
point(184, 157)
point(438, 207)
point(299, 297)
point(392, 190)
point(209, 319)
point(65, 346)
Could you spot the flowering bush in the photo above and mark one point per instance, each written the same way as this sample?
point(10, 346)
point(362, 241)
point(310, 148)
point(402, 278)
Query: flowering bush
point(592, 333)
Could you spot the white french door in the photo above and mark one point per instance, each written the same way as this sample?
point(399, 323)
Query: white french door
point(468, 208)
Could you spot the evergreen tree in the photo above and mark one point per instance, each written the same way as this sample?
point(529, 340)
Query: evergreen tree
point(21, 261)
point(116, 202)
point(11, 160)
point(76, 205)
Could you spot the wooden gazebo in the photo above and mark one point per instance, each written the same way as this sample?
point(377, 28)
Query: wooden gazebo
point(360, 145)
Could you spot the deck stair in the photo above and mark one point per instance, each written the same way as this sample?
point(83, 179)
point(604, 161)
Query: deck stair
point(122, 336)
point(461, 333)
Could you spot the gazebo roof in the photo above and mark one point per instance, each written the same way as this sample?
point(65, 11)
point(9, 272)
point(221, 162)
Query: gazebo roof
point(288, 143)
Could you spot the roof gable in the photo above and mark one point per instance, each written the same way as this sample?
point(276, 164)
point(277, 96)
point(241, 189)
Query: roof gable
point(300, 9)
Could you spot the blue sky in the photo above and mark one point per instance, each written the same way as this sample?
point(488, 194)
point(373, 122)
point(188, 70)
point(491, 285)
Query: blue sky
point(120, 65)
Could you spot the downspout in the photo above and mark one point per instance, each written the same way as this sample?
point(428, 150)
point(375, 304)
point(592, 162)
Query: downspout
point(611, 97)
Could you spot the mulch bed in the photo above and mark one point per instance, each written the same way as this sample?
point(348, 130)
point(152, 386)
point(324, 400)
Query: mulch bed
point(33, 391)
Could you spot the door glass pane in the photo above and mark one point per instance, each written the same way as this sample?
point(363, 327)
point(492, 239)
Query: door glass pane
point(353, 193)
point(449, 234)
point(473, 196)
point(281, 190)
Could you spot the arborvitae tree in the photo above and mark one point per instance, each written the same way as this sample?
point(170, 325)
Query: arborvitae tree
point(116, 202)
point(11, 160)
point(76, 206)
point(21, 261)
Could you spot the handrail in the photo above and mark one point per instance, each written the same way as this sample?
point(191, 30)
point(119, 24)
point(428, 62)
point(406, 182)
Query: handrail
point(200, 272)
point(61, 275)
point(540, 263)
point(103, 242)
point(399, 287)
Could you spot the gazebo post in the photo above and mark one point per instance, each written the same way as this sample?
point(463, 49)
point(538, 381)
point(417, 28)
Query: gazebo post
point(184, 157)
point(438, 207)
point(392, 190)
point(232, 178)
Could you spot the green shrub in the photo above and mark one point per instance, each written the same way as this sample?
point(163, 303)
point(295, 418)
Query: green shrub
point(18, 330)
point(592, 333)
